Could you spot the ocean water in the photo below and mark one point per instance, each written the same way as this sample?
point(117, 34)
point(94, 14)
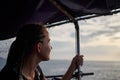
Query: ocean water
point(103, 70)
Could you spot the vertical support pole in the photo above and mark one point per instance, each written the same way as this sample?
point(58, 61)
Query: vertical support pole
point(77, 45)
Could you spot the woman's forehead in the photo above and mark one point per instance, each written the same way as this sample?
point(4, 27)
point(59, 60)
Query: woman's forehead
point(45, 31)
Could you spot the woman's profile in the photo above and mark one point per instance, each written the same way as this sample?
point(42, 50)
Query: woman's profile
point(32, 46)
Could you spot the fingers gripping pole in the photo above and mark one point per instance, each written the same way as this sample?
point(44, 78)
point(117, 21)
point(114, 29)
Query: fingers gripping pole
point(77, 45)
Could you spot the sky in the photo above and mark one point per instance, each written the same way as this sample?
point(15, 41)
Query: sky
point(99, 40)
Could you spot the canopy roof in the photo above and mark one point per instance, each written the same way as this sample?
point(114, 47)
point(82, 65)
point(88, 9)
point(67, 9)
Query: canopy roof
point(15, 13)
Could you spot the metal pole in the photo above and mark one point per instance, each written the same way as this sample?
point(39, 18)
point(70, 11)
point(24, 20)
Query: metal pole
point(77, 45)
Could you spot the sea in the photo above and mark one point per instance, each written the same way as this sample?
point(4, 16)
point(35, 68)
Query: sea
point(102, 70)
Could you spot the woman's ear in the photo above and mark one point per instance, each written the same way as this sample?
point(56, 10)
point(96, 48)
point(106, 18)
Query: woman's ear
point(39, 46)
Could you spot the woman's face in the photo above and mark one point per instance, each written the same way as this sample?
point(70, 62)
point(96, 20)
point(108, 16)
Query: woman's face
point(45, 47)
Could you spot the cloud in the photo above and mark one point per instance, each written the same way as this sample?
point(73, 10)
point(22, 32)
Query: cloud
point(99, 39)
point(101, 52)
point(90, 30)
point(107, 26)
point(62, 33)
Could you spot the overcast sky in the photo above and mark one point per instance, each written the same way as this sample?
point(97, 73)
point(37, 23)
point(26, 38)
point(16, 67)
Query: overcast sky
point(99, 39)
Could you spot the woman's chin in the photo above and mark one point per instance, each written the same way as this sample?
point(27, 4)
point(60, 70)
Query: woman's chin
point(46, 59)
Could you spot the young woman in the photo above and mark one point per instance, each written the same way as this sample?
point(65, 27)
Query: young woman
point(31, 46)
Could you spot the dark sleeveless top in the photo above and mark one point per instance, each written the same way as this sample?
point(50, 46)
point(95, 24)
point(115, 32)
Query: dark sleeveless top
point(38, 75)
point(8, 73)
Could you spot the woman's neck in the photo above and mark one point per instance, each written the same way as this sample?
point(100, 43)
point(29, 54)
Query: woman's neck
point(29, 66)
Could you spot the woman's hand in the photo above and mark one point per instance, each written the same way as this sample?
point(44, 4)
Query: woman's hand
point(77, 60)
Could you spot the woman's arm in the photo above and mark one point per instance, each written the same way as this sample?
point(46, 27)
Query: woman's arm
point(77, 60)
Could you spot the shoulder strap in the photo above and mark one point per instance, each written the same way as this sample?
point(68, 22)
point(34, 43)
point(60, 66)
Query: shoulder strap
point(41, 76)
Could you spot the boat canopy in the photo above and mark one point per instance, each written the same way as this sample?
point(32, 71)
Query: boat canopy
point(15, 13)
